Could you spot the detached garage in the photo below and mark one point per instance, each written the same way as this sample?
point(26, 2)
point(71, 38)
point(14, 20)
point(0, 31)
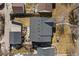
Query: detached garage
point(15, 34)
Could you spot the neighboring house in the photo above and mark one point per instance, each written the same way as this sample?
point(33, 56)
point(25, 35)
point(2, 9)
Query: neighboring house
point(18, 8)
point(15, 34)
point(45, 7)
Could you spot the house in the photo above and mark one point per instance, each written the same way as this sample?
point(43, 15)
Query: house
point(41, 31)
